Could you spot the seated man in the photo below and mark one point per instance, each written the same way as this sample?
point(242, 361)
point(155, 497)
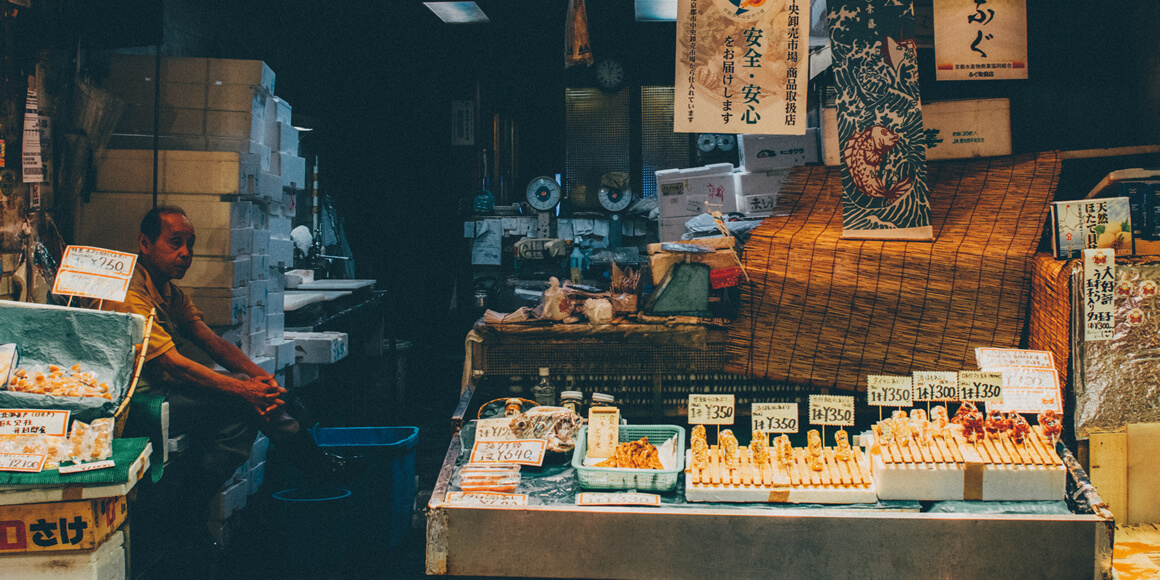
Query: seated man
point(221, 413)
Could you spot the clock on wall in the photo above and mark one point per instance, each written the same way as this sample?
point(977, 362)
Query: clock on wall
point(609, 74)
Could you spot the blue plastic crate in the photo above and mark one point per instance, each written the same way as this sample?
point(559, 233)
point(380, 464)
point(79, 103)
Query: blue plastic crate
point(386, 492)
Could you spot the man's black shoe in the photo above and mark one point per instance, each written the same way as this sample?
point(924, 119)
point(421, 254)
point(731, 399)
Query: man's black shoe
point(332, 469)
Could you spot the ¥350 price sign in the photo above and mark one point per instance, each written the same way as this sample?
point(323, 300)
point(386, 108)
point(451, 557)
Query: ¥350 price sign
point(936, 386)
point(831, 410)
point(775, 417)
point(711, 409)
point(521, 451)
point(889, 391)
point(986, 386)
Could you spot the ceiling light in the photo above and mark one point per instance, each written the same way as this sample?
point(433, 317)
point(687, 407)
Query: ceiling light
point(458, 12)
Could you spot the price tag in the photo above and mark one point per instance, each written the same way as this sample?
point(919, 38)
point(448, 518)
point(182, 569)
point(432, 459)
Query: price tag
point(981, 386)
point(710, 409)
point(831, 410)
point(603, 432)
point(521, 451)
point(80, 467)
point(1099, 294)
point(889, 391)
point(494, 429)
point(1013, 357)
point(936, 386)
point(487, 498)
point(24, 462)
point(1029, 390)
point(94, 273)
point(775, 417)
point(33, 422)
point(587, 498)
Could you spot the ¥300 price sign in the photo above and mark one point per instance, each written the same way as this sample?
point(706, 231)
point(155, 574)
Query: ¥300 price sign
point(775, 417)
point(936, 386)
point(711, 409)
point(521, 451)
point(986, 386)
point(889, 391)
point(831, 410)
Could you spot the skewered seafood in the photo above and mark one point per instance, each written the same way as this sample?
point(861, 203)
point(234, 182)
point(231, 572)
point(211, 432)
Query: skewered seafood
point(815, 447)
point(758, 448)
point(965, 408)
point(973, 429)
point(842, 445)
point(784, 450)
point(997, 423)
point(728, 442)
point(700, 447)
point(1051, 424)
point(1020, 429)
point(902, 430)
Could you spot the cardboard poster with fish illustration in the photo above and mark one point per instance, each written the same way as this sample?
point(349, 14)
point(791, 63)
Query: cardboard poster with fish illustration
point(880, 132)
point(741, 66)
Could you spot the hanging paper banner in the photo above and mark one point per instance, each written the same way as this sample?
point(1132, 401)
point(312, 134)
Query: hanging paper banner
point(32, 164)
point(980, 39)
point(883, 150)
point(741, 66)
point(1099, 294)
point(577, 50)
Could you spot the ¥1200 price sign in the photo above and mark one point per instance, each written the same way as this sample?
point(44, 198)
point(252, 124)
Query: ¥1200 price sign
point(831, 410)
point(24, 462)
point(494, 429)
point(936, 386)
point(986, 386)
point(775, 417)
point(521, 451)
point(889, 391)
point(711, 409)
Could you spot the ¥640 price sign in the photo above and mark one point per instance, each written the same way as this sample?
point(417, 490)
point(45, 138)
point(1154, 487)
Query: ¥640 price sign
point(889, 391)
point(521, 451)
point(984, 386)
point(936, 386)
point(831, 410)
point(710, 409)
point(775, 417)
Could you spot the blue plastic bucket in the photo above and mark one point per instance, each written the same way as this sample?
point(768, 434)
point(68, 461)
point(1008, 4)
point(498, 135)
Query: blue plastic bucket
point(314, 528)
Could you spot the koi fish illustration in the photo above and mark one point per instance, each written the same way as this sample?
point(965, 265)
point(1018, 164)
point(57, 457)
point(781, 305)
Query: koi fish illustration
point(864, 153)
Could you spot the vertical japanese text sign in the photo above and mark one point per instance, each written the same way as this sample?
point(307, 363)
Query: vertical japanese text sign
point(885, 195)
point(741, 66)
point(980, 39)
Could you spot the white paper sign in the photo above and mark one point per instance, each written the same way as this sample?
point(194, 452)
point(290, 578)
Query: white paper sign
point(889, 391)
point(82, 467)
point(1099, 294)
point(590, 499)
point(936, 386)
point(22, 462)
point(831, 410)
point(980, 39)
point(31, 162)
point(494, 429)
point(775, 417)
point(986, 386)
point(94, 273)
point(34, 422)
point(988, 358)
point(710, 409)
point(521, 451)
point(1029, 390)
point(603, 433)
point(486, 498)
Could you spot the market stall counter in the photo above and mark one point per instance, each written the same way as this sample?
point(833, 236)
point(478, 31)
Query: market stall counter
point(552, 535)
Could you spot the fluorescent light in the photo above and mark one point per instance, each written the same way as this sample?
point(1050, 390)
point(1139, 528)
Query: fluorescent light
point(656, 10)
point(457, 12)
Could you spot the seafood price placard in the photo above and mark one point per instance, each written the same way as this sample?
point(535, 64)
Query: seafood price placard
point(831, 410)
point(889, 391)
point(521, 451)
point(494, 429)
point(741, 66)
point(48, 422)
point(487, 498)
point(775, 417)
point(1029, 390)
point(94, 273)
point(1099, 294)
point(936, 386)
point(885, 195)
point(979, 40)
point(589, 498)
point(710, 409)
point(986, 386)
point(22, 462)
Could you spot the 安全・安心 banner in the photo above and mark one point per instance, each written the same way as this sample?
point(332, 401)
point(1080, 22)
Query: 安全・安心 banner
point(741, 66)
point(980, 39)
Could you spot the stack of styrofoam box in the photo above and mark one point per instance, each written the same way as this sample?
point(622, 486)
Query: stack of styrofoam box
point(683, 193)
point(257, 463)
point(757, 191)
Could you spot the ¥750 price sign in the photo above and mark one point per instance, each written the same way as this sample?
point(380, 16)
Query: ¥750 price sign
point(831, 410)
point(710, 409)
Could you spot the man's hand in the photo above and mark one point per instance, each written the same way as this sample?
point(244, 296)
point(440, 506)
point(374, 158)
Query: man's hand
point(263, 393)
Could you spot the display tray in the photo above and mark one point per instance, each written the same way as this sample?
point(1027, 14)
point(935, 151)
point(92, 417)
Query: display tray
point(839, 482)
point(996, 469)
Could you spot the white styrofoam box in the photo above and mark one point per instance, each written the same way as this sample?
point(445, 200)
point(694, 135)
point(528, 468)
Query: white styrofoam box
point(266, 363)
point(256, 345)
point(221, 306)
point(240, 98)
point(178, 444)
point(141, 91)
point(258, 450)
point(209, 272)
point(239, 474)
point(275, 280)
point(282, 136)
point(257, 476)
point(276, 330)
point(269, 186)
point(107, 562)
point(319, 347)
point(281, 252)
point(282, 110)
point(302, 374)
point(282, 350)
point(188, 172)
point(240, 72)
point(257, 289)
point(226, 502)
point(757, 192)
point(684, 192)
point(280, 227)
point(759, 205)
point(257, 316)
point(224, 531)
point(259, 266)
point(293, 170)
point(173, 68)
point(260, 218)
point(275, 302)
point(261, 243)
point(176, 121)
point(289, 204)
point(671, 229)
point(767, 152)
point(230, 334)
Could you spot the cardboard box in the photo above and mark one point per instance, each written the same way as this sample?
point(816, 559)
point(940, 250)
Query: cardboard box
point(770, 152)
point(235, 125)
point(105, 563)
point(191, 143)
point(684, 192)
point(239, 98)
point(173, 69)
point(184, 172)
point(240, 72)
point(38, 527)
point(319, 347)
point(139, 119)
point(112, 220)
point(208, 272)
point(141, 92)
point(221, 306)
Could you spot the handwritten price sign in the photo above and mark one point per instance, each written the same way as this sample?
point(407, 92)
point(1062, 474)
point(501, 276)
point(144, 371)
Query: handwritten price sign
point(521, 451)
point(587, 498)
point(936, 386)
point(494, 429)
point(488, 498)
point(33, 422)
point(710, 409)
point(603, 432)
point(981, 386)
point(889, 391)
point(94, 273)
point(24, 462)
point(775, 417)
point(831, 410)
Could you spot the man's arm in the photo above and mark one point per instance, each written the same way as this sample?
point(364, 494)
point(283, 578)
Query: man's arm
point(224, 352)
point(263, 395)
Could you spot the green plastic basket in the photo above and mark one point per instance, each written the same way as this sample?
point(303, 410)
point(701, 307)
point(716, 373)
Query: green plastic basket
point(623, 478)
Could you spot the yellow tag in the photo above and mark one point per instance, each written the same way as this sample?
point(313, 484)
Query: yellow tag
point(603, 431)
